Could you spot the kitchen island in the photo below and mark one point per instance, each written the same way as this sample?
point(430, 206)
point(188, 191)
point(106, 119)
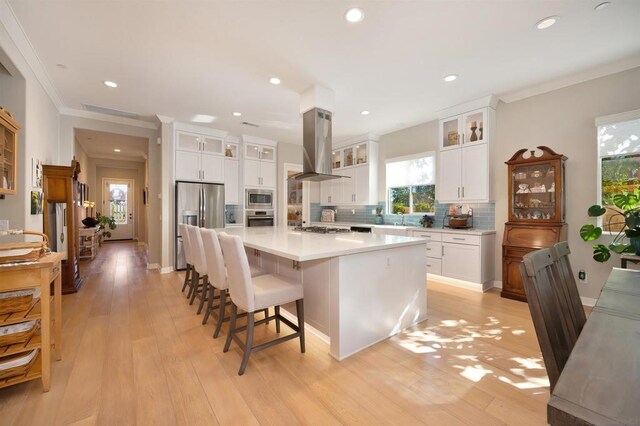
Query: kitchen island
point(358, 288)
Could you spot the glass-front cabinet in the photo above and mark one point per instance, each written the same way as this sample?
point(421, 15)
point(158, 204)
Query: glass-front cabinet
point(464, 129)
point(353, 155)
point(536, 187)
point(259, 152)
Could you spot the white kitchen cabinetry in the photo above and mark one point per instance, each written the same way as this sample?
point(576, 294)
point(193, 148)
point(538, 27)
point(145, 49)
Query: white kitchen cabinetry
point(465, 171)
point(357, 160)
point(459, 258)
point(199, 158)
point(231, 181)
point(259, 165)
point(389, 230)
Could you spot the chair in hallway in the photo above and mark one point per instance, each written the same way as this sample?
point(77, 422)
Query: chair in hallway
point(560, 255)
point(256, 294)
point(547, 309)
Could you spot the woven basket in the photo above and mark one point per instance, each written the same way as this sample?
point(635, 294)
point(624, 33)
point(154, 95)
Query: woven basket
point(16, 301)
point(17, 333)
point(21, 370)
point(24, 252)
point(458, 221)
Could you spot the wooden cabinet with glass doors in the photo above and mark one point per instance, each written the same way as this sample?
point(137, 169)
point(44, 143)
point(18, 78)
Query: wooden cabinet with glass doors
point(536, 211)
point(8, 152)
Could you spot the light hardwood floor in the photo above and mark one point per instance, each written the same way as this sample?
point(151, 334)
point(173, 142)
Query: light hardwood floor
point(135, 352)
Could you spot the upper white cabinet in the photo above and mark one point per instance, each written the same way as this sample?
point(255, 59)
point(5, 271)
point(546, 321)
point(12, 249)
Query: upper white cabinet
point(357, 161)
point(231, 174)
point(199, 157)
point(259, 166)
point(465, 171)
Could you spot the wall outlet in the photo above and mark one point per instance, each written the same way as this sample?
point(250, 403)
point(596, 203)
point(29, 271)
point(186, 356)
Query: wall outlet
point(582, 276)
point(4, 225)
point(353, 211)
point(373, 211)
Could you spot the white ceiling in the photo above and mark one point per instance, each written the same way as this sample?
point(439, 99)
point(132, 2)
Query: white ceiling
point(180, 58)
point(102, 144)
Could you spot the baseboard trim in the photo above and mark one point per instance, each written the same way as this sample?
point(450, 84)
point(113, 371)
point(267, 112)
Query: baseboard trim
point(588, 301)
point(151, 266)
point(166, 269)
point(481, 288)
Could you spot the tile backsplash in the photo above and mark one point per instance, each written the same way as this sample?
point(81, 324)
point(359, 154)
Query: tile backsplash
point(484, 215)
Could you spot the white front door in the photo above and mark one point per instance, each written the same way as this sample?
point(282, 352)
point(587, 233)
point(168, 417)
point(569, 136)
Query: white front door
point(118, 201)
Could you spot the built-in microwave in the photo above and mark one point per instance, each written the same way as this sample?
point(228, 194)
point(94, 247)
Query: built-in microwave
point(259, 199)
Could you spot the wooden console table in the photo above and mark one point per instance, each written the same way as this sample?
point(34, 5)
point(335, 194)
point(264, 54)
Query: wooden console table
point(38, 274)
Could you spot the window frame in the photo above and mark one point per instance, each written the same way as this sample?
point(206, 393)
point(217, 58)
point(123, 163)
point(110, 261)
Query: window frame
point(425, 154)
point(609, 120)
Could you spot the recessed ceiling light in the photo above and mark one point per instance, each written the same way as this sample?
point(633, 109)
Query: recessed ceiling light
point(451, 77)
point(365, 112)
point(116, 150)
point(274, 80)
point(354, 15)
point(602, 6)
point(237, 114)
point(202, 118)
point(545, 23)
point(111, 84)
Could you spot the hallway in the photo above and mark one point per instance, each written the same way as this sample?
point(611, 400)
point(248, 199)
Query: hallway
point(135, 353)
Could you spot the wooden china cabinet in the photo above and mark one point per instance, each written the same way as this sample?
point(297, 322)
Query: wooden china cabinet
point(536, 212)
point(60, 213)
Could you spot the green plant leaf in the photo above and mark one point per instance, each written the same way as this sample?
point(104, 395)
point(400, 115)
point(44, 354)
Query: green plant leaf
point(601, 253)
point(619, 247)
point(625, 201)
point(632, 233)
point(633, 220)
point(596, 210)
point(590, 232)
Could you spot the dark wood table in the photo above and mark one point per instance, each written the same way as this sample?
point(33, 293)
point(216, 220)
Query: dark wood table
point(628, 258)
point(600, 383)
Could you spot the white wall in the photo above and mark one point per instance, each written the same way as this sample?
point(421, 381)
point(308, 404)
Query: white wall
point(564, 121)
point(38, 138)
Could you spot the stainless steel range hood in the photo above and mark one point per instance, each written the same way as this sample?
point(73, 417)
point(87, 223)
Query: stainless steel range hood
point(316, 141)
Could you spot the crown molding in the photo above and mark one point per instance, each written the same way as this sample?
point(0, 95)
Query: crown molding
point(19, 37)
point(574, 78)
point(109, 118)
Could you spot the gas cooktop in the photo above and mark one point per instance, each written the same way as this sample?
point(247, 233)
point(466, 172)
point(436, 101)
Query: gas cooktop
point(322, 229)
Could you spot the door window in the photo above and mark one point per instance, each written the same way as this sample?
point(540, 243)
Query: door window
point(118, 193)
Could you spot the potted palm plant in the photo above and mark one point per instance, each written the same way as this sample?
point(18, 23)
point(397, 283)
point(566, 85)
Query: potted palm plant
point(625, 219)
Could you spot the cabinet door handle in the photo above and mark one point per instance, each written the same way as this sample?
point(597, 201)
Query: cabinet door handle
point(462, 137)
point(458, 192)
point(459, 239)
point(428, 249)
point(463, 192)
point(442, 253)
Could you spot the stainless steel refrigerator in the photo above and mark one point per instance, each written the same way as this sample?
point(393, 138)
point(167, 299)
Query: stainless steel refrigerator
point(198, 204)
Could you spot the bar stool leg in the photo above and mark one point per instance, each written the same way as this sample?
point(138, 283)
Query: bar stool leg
point(194, 290)
point(207, 291)
point(223, 304)
point(248, 344)
point(194, 283)
point(300, 312)
point(277, 309)
point(209, 307)
point(232, 327)
point(187, 277)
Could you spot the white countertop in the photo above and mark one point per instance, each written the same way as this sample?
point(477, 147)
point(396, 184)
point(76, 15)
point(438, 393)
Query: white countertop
point(471, 231)
point(302, 246)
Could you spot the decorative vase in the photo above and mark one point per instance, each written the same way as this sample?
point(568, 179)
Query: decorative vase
point(378, 220)
point(635, 242)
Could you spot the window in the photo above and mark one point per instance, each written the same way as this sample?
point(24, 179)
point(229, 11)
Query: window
point(618, 162)
point(411, 184)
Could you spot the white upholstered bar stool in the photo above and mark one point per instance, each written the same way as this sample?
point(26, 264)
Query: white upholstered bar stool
point(199, 266)
point(255, 294)
point(187, 255)
point(217, 277)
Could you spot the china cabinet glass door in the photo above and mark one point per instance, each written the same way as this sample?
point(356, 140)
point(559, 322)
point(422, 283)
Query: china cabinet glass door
point(534, 192)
